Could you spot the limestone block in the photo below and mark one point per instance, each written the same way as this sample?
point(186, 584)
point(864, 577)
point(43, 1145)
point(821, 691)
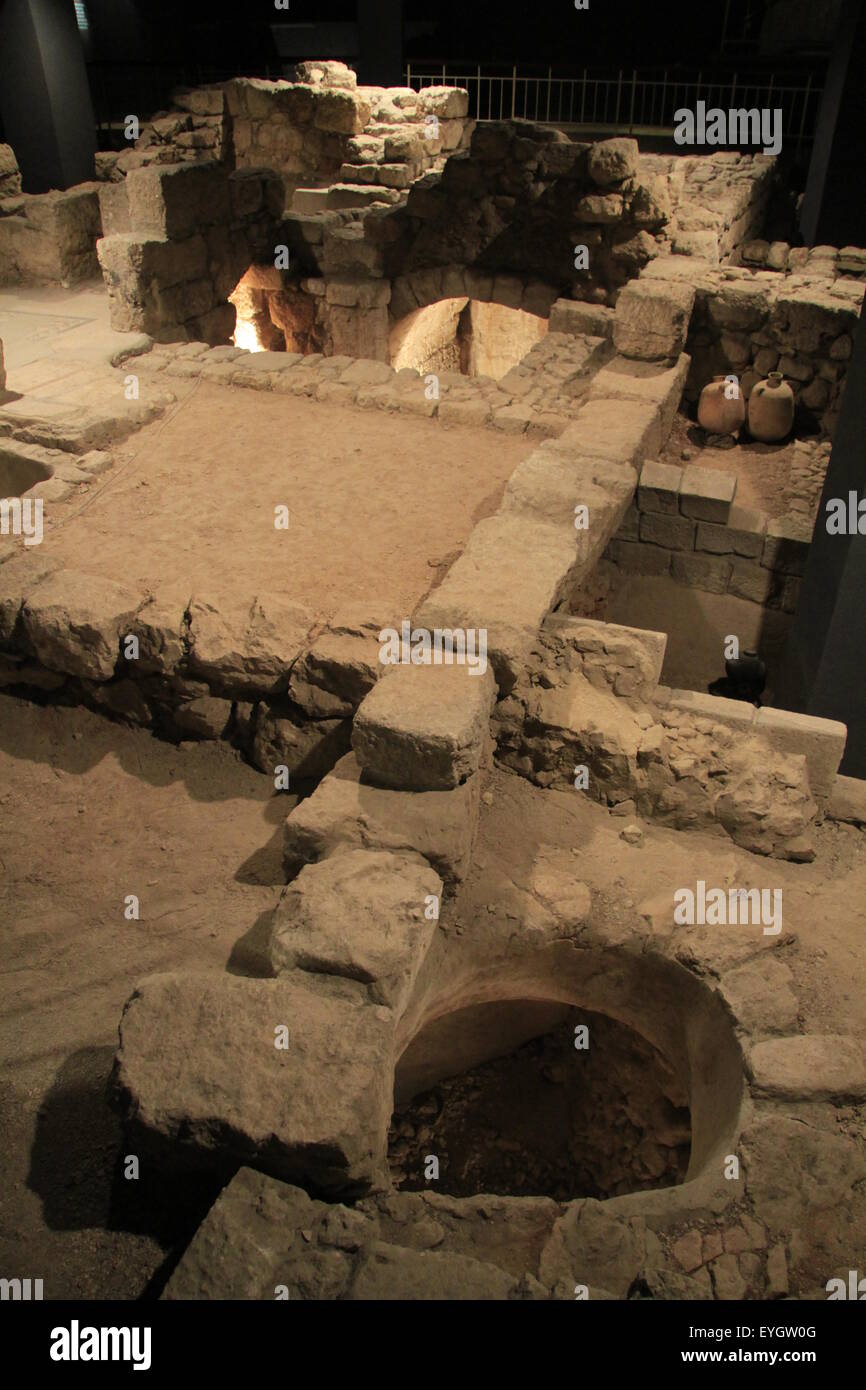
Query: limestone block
point(468, 412)
point(308, 749)
point(10, 177)
point(658, 488)
point(331, 678)
point(741, 306)
point(203, 718)
point(345, 810)
point(176, 200)
point(652, 319)
point(628, 659)
point(114, 208)
point(341, 110)
point(673, 532)
point(574, 317)
point(623, 431)
point(362, 914)
point(599, 209)
point(786, 546)
point(552, 482)
point(821, 741)
point(244, 647)
point(425, 728)
point(637, 558)
point(160, 626)
point(848, 800)
point(541, 558)
point(827, 1167)
point(810, 1067)
point(627, 379)
point(707, 494)
point(74, 622)
point(611, 162)
point(736, 714)
point(709, 572)
point(326, 74)
point(200, 1074)
point(743, 535)
point(448, 103)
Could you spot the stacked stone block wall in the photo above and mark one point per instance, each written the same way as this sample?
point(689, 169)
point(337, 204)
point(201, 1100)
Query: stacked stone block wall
point(684, 522)
point(748, 323)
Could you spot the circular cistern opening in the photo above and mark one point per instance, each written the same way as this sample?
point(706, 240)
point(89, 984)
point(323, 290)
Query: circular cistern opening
point(537, 1098)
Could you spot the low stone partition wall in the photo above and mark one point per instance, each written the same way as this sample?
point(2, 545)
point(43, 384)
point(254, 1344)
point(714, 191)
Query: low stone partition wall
point(685, 523)
point(49, 238)
point(748, 323)
point(717, 201)
point(588, 714)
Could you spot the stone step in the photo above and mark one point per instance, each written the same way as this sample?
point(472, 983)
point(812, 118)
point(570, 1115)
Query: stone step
point(425, 728)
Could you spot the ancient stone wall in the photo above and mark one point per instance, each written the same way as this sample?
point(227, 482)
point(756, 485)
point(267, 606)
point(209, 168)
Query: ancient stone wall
point(50, 238)
point(685, 523)
point(178, 239)
point(590, 698)
point(749, 322)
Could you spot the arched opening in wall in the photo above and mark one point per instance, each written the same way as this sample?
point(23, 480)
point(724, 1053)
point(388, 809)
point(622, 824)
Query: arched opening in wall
point(465, 335)
point(537, 1098)
point(271, 317)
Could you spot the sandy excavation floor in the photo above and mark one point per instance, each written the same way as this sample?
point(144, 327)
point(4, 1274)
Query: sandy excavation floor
point(91, 811)
point(379, 505)
point(762, 470)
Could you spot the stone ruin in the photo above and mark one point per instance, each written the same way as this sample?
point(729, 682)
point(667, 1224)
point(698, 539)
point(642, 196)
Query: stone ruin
point(391, 203)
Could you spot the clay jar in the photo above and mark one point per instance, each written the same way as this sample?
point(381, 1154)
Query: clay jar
point(771, 409)
point(716, 413)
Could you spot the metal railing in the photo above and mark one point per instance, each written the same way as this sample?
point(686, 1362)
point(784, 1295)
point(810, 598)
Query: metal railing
point(625, 102)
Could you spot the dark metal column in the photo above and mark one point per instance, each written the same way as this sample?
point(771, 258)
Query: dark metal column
point(824, 671)
point(380, 31)
point(44, 94)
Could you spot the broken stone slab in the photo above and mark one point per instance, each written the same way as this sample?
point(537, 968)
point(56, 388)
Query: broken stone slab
point(425, 728)
point(245, 648)
point(652, 319)
point(346, 811)
point(263, 1236)
point(627, 659)
point(794, 1170)
point(201, 1076)
point(810, 1067)
point(367, 915)
point(74, 622)
point(821, 741)
point(848, 800)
